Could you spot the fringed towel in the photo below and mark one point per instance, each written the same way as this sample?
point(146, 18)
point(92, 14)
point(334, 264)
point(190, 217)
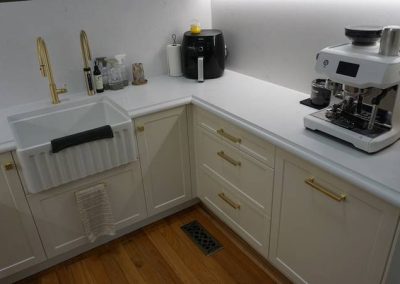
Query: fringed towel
point(95, 210)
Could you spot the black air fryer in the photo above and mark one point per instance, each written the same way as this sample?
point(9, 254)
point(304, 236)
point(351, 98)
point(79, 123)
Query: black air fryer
point(203, 55)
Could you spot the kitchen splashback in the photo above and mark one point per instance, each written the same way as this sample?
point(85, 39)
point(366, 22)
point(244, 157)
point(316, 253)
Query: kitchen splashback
point(139, 28)
point(277, 40)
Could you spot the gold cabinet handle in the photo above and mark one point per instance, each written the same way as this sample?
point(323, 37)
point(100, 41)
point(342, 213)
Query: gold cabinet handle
point(140, 128)
point(229, 159)
point(337, 197)
point(229, 136)
point(9, 166)
point(227, 200)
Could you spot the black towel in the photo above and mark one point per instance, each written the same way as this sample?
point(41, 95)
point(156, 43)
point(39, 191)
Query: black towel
point(62, 143)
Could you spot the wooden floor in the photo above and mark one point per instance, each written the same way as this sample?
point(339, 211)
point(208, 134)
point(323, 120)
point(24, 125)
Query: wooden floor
point(162, 253)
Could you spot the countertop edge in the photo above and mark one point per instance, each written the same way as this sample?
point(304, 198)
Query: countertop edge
point(8, 146)
point(369, 185)
point(159, 107)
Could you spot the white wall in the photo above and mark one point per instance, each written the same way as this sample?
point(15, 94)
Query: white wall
point(139, 28)
point(277, 40)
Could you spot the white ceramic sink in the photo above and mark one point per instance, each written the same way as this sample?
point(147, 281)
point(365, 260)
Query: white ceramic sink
point(34, 130)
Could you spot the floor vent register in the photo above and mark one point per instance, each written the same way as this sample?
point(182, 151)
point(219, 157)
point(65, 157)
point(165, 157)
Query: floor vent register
point(202, 238)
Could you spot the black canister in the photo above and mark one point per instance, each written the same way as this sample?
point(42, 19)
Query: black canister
point(320, 94)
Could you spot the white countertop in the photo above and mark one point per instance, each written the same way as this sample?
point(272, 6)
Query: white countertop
point(270, 111)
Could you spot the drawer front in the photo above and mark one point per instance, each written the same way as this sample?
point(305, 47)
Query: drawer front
point(237, 137)
point(57, 216)
point(243, 173)
point(240, 215)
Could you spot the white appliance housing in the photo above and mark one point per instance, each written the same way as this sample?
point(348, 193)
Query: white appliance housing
point(370, 69)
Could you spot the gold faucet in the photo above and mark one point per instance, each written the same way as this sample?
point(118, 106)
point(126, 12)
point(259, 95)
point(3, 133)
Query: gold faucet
point(87, 57)
point(45, 69)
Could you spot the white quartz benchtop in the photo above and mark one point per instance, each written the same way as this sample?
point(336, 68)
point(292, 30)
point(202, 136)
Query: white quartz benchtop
point(274, 112)
point(159, 93)
point(267, 110)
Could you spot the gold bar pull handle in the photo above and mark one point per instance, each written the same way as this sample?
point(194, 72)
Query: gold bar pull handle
point(227, 200)
point(140, 128)
point(229, 136)
point(229, 159)
point(337, 197)
point(9, 166)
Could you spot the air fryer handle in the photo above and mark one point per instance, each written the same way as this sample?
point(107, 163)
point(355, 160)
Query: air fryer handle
point(200, 69)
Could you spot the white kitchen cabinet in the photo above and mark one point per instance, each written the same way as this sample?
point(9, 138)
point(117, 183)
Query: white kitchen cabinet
point(238, 137)
point(235, 177)
point(244, 174)
point(164, 157)
point(317, 236)
point(235, 210)
point(20, 245)
point(57, 216)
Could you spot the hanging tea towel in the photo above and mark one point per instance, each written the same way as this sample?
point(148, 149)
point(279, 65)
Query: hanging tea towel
point(95, 210)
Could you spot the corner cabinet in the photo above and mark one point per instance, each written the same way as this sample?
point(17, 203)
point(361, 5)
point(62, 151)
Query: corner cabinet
point(20, 245)
point(164, 157)
point(325, 230)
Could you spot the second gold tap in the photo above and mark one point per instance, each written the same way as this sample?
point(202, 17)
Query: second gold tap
point(87, 57)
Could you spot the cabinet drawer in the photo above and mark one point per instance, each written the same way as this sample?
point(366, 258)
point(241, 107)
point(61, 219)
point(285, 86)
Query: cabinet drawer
point(57, 215)
point(245, 174)
point(246, 220)
point(236, 136)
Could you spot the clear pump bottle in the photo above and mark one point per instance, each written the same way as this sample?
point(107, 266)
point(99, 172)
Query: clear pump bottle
point(124, 71)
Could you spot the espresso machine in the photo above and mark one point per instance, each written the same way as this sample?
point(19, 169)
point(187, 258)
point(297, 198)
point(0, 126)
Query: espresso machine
point(364, 79)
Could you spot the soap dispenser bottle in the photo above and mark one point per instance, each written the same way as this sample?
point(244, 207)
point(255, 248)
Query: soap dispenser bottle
point(115, 76)
point(121, 62)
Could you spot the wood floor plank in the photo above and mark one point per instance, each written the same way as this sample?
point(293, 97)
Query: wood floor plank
point(163, 253)
point(175, 261)
point(234, 261)
point(127, 267)
point(95, 268)
point(207, 268)
point(192, 261)
point(240, 247)
point(49, 278)
point(149, 262)
point(112, 268)
point(79, 275)
point(64, 277)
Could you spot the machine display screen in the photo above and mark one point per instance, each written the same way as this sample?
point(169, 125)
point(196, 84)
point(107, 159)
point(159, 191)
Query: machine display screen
point(347, 69)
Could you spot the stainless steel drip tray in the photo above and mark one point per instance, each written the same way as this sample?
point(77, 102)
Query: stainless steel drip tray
point(344, 123)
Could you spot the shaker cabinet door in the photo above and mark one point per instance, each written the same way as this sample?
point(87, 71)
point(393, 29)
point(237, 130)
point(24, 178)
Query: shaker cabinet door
point(325, 230)
point(164, 157)
point(57, 214)
point(20, 245)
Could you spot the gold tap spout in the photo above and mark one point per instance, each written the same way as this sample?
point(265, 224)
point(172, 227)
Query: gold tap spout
point(87, 57)
point(46, 70)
